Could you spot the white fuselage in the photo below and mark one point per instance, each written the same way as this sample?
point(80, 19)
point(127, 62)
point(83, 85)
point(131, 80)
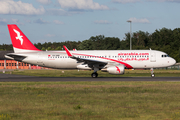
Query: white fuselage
point(129, 58)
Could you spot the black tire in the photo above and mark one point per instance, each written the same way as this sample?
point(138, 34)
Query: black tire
point(152, 75)
point(94, 75)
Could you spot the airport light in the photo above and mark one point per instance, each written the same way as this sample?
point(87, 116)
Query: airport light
point(130, 33)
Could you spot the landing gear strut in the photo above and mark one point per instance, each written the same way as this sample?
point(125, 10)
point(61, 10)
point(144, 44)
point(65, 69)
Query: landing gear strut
point(95, 74)
point(152, 73)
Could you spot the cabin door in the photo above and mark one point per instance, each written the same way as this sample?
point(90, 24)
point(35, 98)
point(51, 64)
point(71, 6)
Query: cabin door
point(153, 57)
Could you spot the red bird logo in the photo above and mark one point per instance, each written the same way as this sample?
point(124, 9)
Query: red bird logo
point(118, 69)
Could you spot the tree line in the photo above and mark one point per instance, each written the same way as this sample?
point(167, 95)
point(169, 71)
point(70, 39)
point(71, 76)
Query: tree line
point(164, 39)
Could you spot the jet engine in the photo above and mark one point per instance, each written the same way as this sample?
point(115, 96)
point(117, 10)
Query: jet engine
point(115, 69)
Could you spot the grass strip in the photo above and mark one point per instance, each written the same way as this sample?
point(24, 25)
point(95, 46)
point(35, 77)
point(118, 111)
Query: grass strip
point(89, 100)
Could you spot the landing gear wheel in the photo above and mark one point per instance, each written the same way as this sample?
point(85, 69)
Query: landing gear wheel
point(94, 75)
point(153, 75)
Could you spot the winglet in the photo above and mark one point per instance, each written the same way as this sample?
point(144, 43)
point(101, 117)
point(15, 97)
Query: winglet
point(67, 51)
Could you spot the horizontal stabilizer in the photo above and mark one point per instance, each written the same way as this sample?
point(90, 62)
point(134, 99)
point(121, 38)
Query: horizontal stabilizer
point(15, 56)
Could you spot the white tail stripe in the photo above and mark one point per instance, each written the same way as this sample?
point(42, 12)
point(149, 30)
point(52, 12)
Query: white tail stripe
point(17, 50)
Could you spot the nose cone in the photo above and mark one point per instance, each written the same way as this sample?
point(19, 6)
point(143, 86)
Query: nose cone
point(173, 61)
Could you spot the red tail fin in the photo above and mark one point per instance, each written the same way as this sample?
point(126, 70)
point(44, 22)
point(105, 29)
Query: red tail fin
point(19, 41)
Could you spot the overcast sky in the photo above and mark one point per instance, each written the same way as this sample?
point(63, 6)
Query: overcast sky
point(77, 20)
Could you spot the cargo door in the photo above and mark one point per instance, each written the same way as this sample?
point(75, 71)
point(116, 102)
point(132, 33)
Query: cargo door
point(40, 59)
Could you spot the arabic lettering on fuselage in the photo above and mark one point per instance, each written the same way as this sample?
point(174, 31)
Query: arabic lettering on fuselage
point(133, 59)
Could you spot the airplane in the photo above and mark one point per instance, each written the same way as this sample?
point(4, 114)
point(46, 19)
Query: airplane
point(111, 61)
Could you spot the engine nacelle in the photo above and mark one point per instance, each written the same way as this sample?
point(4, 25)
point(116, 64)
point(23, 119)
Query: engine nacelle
point(116, 69)
point(84, 67)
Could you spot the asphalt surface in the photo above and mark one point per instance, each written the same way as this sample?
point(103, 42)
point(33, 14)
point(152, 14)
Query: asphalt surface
point(20, 78)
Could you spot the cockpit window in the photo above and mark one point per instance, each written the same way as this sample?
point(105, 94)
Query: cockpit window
point(165, 55)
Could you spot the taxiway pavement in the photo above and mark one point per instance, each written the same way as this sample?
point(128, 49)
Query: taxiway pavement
point(20, 78)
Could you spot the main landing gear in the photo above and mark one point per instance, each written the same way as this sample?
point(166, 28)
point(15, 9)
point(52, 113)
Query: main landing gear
point(152, 73)
point(94, 75)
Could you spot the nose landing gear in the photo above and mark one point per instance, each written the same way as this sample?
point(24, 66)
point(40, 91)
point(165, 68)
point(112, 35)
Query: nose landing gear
point(152, 73)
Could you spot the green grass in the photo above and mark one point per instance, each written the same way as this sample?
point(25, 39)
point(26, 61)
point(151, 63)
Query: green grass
point(89, 100)
point(82, 73)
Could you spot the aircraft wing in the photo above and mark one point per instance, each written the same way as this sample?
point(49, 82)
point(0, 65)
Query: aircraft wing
point(86, 61)
point(89, 61)
point(14, 56)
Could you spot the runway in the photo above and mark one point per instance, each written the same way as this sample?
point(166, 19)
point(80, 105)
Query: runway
point(20, 78)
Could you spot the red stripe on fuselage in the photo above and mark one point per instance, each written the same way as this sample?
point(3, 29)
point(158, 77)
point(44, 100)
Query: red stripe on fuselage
point(127, 65)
